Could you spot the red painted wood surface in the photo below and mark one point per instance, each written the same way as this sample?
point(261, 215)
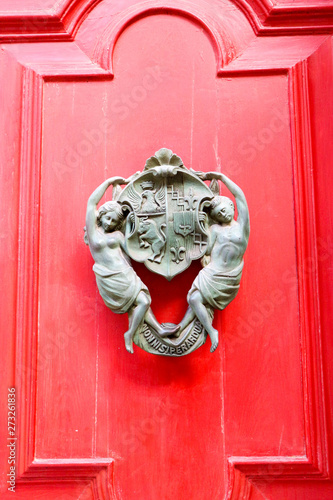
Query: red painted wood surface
point(91, 89)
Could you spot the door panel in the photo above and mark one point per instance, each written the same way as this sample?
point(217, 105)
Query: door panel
point(94, 95)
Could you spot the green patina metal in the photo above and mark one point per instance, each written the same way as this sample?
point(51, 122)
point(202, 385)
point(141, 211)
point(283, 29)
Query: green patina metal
point(167, 216)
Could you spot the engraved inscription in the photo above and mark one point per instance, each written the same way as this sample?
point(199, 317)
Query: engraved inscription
point(176, 350)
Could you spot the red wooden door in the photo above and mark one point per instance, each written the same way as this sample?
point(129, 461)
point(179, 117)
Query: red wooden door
point(91, 89)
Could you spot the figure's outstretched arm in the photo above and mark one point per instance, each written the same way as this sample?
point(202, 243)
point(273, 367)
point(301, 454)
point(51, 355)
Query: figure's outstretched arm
point(93, 201)
point(242, 208)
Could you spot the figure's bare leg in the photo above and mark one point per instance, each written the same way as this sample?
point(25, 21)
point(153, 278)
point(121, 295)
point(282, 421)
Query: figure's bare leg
point(189, 316)
point(136, 317)
point(163, 331)
point(197, 304)
point(167, 332)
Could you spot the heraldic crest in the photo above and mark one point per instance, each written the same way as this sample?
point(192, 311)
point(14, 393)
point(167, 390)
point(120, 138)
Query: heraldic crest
point(166, 216)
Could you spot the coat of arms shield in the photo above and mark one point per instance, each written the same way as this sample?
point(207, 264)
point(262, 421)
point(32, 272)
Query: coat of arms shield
point(165, 227)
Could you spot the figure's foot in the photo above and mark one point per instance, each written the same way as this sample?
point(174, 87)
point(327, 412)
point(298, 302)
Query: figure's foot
point(168, 330)
point(128, 342)
point(214, 337)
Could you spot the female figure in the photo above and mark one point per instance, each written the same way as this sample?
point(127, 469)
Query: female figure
point(119, 285)
point(218, 282)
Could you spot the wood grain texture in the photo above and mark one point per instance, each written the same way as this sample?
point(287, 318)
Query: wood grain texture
point(140, 415)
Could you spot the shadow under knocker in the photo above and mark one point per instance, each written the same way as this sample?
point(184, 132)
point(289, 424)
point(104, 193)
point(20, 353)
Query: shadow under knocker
point(166, 216)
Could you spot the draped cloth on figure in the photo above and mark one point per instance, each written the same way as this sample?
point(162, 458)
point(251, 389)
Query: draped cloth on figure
point(218, 289)
point(119, 289)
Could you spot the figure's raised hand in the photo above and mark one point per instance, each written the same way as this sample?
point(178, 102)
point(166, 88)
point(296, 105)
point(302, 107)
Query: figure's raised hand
point(116, 180)
point(207, 176)
point(198, 173)
point(213, 175)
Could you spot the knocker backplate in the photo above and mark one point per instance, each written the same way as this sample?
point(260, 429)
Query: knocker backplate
point(166, 217)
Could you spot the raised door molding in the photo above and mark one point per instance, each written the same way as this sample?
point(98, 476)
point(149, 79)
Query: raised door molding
point(61, 28)
point(265, 16)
